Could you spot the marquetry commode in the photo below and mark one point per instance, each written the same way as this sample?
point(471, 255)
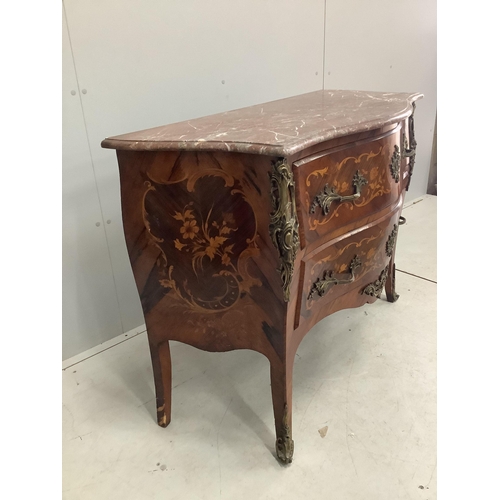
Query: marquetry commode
point(246, 228)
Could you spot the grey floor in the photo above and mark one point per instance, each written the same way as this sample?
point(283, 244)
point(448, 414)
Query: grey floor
point(364, 407)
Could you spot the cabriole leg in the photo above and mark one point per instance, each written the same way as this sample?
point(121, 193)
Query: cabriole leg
point(162, 370)
point(281, 387)
point(390, 284)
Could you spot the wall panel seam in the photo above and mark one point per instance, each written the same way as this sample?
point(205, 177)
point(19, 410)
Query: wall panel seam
point(93, 166)
point(324, 43)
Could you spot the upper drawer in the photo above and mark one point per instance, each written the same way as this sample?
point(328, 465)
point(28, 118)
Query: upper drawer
point(346, 184)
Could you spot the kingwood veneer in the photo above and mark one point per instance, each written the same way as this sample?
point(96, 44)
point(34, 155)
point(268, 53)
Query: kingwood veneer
point(246, 228)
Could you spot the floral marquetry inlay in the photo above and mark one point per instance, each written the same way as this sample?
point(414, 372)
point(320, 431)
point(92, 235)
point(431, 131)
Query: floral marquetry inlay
point(365, 176)
point(246, 228)
point(204, 250)
point(207, 238)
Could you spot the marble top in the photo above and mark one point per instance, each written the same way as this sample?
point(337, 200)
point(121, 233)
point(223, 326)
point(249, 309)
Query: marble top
point(276, 128)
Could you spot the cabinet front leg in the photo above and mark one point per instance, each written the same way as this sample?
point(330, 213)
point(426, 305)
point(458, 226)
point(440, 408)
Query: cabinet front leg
point(281, 387)
point(390, 284)
point(162, 370)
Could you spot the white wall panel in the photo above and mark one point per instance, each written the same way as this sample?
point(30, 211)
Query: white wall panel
point(90, 308)
point(387, 45)
point(145, 64)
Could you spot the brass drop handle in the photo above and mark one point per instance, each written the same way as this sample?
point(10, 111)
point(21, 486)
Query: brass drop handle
point(326, 197)
point(321, 286)
point(409, 152)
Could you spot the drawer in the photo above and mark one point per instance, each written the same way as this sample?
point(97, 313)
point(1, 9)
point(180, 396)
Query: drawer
point(353, 262)
point(344, 185)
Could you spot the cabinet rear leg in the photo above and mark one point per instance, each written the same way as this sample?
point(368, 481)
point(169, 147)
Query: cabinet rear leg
point(281, 388)
point(162, 370)
point(390, 284)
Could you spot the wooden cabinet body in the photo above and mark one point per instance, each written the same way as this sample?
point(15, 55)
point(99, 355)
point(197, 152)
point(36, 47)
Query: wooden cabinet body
point(249, 242)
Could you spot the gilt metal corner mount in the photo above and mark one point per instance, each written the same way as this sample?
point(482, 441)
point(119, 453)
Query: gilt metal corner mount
point(284, 225)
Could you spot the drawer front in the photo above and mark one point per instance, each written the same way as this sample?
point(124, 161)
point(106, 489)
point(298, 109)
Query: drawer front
point(357, 261)
point(340, 187)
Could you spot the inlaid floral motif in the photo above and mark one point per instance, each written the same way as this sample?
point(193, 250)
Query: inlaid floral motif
point(205, 253)
point(368, 167)
point(206, 238)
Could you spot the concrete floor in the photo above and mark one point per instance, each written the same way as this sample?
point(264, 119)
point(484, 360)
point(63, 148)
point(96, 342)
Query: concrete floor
point(364, 407)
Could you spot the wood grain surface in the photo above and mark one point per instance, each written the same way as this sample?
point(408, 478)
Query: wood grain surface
point(197, 229)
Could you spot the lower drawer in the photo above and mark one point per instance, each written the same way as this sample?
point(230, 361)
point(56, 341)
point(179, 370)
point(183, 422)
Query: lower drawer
point(357, 261)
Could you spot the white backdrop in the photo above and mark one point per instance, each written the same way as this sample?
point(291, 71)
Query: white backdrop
point(135, 65)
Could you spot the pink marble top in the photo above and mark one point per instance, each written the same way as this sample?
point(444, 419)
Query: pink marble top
point(276, 128)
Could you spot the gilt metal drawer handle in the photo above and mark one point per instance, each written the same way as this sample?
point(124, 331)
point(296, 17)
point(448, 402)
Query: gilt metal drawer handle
point(410, 151)
point(321, 286)
point(326, 197)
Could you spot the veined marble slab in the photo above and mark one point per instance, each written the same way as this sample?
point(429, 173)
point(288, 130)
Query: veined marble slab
point(276, 128)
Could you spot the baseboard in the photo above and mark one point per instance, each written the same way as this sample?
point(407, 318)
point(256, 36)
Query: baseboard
point(102, 347)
